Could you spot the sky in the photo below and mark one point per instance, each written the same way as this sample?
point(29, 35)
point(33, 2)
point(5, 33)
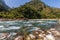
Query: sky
point(17, 3)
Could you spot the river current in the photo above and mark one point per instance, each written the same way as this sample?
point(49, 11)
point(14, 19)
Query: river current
point(12, 26)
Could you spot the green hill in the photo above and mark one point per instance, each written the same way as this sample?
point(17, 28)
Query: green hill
point(35, 9)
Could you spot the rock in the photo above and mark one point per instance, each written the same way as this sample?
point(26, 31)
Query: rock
point(28, 38)
point(55, 32)
point(49, 37)
point(41, 36)
point(32, 37)
point(19, 38)
point(3, 35)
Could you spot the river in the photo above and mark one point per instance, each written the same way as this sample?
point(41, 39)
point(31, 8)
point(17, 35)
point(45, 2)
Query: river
point(17, 24)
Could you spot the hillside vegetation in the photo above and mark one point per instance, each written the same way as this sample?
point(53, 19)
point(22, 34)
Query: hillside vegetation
point(35, 9)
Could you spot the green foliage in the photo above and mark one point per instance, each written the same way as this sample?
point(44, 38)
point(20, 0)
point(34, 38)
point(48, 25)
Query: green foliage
point(31, 10)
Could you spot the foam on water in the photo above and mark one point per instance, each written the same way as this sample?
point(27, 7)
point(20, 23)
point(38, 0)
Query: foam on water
point(9, 25)
point(1, 26)
point(9, 28)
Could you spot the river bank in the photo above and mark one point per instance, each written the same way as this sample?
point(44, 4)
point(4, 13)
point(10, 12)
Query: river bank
point(5, 19)
point(34, 35)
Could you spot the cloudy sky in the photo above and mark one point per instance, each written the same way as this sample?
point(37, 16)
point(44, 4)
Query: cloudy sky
point(16, 3)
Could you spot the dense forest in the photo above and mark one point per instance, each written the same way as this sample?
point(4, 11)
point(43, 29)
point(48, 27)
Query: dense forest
point(35, 9)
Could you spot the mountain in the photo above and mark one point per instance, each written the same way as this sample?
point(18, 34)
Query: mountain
point(35, 9)
point(3, 6)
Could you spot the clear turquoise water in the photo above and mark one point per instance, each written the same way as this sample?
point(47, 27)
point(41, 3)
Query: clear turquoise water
point(12, 26)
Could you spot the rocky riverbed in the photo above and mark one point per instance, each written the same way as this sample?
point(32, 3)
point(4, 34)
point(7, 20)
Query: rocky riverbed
point(36, 34)
point(29, 30)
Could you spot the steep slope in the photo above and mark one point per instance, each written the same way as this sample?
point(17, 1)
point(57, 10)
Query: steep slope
point(3, 6)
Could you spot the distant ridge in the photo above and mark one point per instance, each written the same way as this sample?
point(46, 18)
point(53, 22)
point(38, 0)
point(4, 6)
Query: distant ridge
point(3, 6)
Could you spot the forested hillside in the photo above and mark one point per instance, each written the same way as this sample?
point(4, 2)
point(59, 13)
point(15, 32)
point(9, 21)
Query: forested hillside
point(35, 9)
